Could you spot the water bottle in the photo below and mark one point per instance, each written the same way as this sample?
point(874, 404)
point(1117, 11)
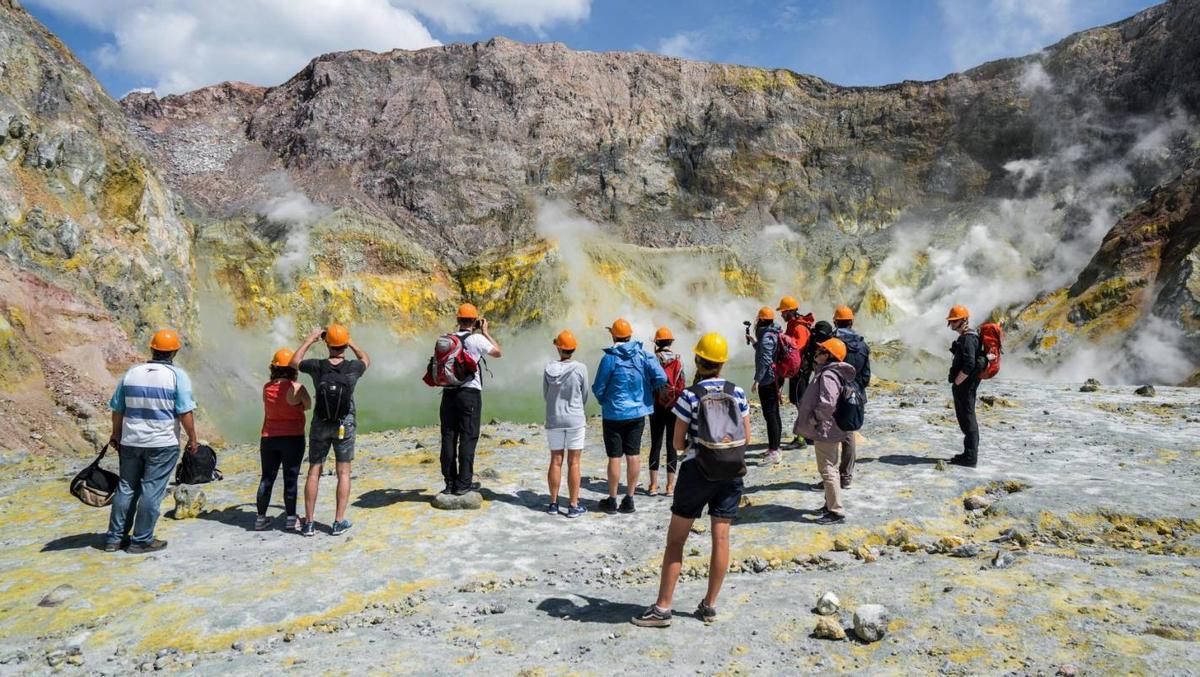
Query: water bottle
point(342, 431)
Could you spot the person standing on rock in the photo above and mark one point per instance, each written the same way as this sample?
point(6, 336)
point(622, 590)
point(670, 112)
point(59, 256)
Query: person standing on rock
point(565, 389)
point(858, 355)
point(817, 422)
point(281, 443)
point(462, 406)
point(712, 408)
point(626, 381)
point(799, 327)
point(151, 402)
point(964, 383)
point(662, 419)
point(765, 340)
point(334, 418)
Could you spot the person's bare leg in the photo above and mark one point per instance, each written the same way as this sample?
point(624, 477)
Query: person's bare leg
point(574, 475)
point(653, 488)
point(554, 474)
point(310, 489)
point(718, 563)
point(343, 489)
point(670, 483)
point(614, 476)
point(633, 467)
point(677, 534)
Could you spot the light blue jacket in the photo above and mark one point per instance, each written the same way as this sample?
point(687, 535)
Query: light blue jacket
point(626, 381)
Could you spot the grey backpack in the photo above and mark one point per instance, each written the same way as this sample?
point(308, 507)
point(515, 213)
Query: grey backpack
point(720, 440)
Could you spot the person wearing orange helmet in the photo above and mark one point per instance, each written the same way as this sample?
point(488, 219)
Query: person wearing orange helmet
point(817, 421)
point(281, 442)
point(625, 384)
point(799, 327)
point(662, 419)
point(765, 340)
point(858, 355)
point(150, 404)
point(964, 382)
point(461, 407)
point(334, 418)
point(565, 389)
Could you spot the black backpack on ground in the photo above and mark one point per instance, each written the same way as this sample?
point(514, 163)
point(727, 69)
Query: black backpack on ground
point(199, 467)
point(335, 392)
point(851, 406)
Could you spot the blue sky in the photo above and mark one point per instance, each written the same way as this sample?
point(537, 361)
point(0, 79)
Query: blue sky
point(176, 45)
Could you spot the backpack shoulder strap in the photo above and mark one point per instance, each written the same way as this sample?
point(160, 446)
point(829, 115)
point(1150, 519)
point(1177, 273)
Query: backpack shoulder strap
point(729, 388)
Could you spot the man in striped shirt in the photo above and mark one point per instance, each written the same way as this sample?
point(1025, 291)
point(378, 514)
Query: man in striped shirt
point(151, 402)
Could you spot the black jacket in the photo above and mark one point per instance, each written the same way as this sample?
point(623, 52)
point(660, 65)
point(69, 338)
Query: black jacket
point(966, 355)
point(858, 355)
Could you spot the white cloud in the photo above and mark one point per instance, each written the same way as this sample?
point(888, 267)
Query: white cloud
point(980, 31)
point(467, 16)
point(685, 45)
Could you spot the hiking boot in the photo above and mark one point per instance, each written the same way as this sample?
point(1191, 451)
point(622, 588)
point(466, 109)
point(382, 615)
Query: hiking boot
point(575, 510)
point(262, 523)
point(463, 491)
point(609, 505)
point(652, 617)
point(340, 527)
point(627, 505)
point(309, 528)
point(706, 613)
point(552, 509)
point(113, 546)
point(962, 460)
point(831, 518)
point(774, 457)
point(292, 523)
point(449, 489)
point(142, 548)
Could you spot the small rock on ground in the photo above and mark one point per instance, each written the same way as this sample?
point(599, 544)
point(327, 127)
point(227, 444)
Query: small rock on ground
point(829, 628)
point(976, 502)
point(828, 604)
point(468, 501)
point(189, 502)
point(1145, 391)
point(871, 621)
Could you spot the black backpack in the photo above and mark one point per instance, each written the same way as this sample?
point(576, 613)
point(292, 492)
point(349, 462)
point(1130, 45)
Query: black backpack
point(198, 468)
point(335, 392)
point(851, 406)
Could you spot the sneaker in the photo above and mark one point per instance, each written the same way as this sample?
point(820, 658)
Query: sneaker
point(341, 527)
point(962, 461)
point(652, 617)
point(292, 523)
point(552, 509)
point(609, 505)
point(262, 523)
point(774, 457)
point(831, 518)
point(799, 442)
point(113, 546)
point(449, 489)
point(463, 491)
point(627, 505)
point(706, 613)
point(309, 528)
point(845, 482)
point(142, 548)
point(575, 510)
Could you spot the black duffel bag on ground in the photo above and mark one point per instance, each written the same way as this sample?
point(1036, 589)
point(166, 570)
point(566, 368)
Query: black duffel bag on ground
point(94, 485)
point(199, 467)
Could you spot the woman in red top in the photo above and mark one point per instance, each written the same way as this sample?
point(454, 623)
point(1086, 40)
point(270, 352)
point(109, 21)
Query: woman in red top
point(282, 443)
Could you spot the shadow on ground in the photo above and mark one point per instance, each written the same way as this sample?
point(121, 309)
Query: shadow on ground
point(594, 610)
point(75, 542)
point(382, 498)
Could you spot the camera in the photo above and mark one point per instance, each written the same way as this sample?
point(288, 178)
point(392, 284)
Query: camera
point(322, 334)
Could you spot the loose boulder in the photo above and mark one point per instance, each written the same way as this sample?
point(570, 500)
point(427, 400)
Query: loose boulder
point(1089, 386)
point(1145, 391)
point(469, 501)
point(976, 502)
point(189, 501)
point(829, 628)
point(828, 604)
point(871, 622)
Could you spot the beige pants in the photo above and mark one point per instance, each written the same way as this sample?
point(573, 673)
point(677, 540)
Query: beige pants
point(827, 467)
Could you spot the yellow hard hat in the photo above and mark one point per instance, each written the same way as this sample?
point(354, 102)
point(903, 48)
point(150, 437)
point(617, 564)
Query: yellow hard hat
point(337, 336)
point(565, 340)
point(713, 347)
point(843, 312)
point(165, 341)
point(835, 347)
point(282, 358)
point(788, 303)
point(958, 312)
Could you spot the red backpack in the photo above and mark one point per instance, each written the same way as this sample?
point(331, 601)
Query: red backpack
point(788, 355)
point(991, 337)
point(451, 364)
point(667, 396)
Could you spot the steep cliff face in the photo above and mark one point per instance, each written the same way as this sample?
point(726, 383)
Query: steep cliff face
point(93, 255)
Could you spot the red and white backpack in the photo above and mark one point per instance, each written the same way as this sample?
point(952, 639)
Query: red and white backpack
point(451, 365)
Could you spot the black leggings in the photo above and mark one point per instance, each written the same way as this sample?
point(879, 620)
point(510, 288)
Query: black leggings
point(273, 452)
point(768, 394)
point(662, 429)
point(964, 410)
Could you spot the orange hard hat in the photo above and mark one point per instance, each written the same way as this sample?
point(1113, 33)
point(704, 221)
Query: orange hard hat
point(565, 340)
point(336, 336)
point(621, 328)
point(835, 347)
point(843, 312)
point(166, 341)
point(788, 303)
point(958, 312)
point(468, 311)
point(765, 313)
point(282, 358)
point(663, 334)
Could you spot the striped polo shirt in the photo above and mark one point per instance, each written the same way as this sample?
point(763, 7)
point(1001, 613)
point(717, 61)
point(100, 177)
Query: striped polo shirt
point(152, 397)
point(688, 403)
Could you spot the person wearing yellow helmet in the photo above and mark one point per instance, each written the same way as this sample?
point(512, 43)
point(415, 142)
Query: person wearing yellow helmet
point(712, 414)
point(334, 418)
point(964, 382)
point(150, 404)
point(281, 442)
point(817, 422)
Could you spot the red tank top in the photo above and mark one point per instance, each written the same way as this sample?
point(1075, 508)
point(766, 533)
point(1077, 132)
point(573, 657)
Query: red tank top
point(281, 419)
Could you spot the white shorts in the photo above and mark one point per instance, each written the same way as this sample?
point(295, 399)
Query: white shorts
point(565, 438)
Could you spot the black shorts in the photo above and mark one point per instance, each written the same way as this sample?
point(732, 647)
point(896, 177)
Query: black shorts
point(323, 435)
point(693, 491)
point(623, 438)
